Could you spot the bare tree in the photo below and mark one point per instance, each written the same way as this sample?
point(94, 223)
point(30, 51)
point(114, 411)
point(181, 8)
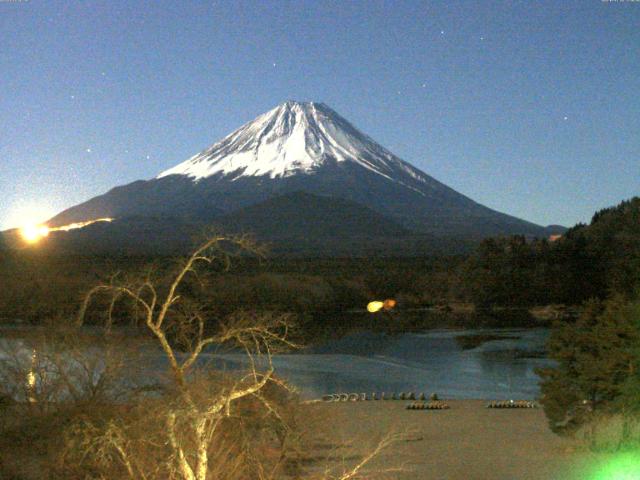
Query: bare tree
point(207, 423)
point(90, 389)
point(45, 368)
point(360, 469)
point(192, 421)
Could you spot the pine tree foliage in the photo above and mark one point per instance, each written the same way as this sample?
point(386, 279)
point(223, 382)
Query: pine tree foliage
point(597, 358)
point(588, 261)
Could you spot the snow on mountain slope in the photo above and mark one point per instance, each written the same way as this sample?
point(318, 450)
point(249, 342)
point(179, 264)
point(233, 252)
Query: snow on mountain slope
point(300, 147)
point(293, 138)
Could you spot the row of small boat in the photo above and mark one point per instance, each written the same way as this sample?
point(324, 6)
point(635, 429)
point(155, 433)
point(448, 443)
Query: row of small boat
point(431, 405)
point(512, 404)
point(420, 402)
point(357, 397)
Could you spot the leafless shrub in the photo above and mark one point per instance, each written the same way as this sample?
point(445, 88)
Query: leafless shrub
point(197, 416)
point(360, 467)
point(61, 365)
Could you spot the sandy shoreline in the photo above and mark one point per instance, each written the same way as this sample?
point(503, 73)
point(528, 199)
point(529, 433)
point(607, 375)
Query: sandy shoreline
point(466, 442)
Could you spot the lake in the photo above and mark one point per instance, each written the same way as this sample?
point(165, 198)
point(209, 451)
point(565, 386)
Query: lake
point(458, 364)
point(454, 364)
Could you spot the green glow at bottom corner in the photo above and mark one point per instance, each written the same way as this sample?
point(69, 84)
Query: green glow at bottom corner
point(624, 466)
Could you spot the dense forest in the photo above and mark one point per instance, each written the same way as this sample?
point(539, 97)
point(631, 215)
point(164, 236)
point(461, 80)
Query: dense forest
point(589, 261)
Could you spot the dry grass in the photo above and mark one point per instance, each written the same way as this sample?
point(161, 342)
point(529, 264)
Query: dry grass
point(467, 442)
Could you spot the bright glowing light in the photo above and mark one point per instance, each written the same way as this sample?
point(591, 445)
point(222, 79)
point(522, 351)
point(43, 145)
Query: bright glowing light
point(73, 226)
point(23, 214)
point(377, 305)
point(34, 233)
point(374, 307)
point(625, 466)
point(31, 377)
point(389, 303)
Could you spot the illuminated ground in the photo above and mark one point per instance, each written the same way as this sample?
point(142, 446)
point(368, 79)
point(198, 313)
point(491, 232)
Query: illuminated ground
point(467, 442)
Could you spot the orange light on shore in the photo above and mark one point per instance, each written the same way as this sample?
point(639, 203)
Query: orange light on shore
point(377, 305)
point(374, 307)
point(389, 303)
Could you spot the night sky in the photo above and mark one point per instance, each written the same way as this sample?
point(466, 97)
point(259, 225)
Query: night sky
point(531, 108)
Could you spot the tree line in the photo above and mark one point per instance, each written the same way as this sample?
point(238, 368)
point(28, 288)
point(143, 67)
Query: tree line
point(588, 261)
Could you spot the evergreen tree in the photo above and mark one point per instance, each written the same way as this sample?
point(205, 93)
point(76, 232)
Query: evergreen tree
point(595, 358)
point(629, 402)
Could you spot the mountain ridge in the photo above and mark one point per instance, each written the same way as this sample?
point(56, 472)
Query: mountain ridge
point(308, 147)
point(293, 137)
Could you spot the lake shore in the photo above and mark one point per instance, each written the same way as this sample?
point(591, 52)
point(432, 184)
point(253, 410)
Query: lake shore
point(466, 442)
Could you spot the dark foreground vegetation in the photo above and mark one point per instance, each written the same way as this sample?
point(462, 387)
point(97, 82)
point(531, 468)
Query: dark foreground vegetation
point(596, 382)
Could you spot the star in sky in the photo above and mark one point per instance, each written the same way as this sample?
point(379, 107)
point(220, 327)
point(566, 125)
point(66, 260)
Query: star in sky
point(451, 66)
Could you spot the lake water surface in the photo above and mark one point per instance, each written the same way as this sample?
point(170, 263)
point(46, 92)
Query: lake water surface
point(433, 361)
point(481, 364)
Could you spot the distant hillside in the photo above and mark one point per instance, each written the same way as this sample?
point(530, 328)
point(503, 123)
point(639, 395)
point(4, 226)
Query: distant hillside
point(300, 223)
point(127, 236)
point(294, 224)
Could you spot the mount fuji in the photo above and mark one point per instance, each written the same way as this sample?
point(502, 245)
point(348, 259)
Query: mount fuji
point(295, 155)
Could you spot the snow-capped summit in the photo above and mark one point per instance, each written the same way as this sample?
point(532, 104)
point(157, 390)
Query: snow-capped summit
point(300, 147)
point(295, 137)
